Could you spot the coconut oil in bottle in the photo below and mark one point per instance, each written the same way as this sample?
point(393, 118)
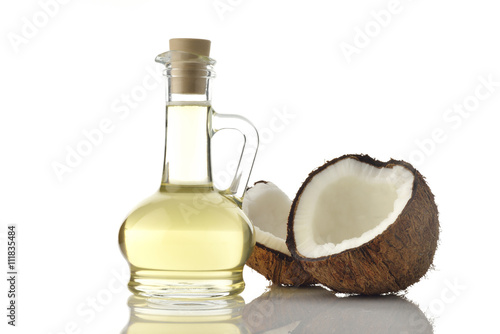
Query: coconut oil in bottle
point(187, 241)
point(190, 240)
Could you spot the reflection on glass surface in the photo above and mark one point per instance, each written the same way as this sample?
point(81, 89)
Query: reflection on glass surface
point(155, 316)
point(280, 310)
point(317, 310)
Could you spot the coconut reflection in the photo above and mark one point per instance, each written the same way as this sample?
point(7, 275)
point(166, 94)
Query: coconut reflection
point(317, 310)
point(279, 310)
point(155, 316)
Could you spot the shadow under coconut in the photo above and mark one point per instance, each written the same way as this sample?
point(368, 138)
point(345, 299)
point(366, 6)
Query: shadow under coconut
point(317, 310)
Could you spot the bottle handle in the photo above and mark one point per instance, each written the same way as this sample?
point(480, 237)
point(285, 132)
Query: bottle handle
point(250, 145)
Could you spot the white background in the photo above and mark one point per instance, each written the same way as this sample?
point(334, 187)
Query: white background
point(67, 74)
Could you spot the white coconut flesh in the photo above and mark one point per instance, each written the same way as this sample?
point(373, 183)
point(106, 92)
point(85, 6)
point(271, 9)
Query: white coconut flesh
point(267, 207)
point(348, 204)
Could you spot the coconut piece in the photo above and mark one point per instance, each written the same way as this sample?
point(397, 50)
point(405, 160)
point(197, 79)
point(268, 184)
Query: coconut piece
point(359, 225)
point(268, 207)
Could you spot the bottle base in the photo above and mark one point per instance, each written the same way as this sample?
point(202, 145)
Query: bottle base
point(186, 285)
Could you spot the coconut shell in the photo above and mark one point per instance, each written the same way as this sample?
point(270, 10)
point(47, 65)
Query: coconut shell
point(392, 261)
point(278, 267)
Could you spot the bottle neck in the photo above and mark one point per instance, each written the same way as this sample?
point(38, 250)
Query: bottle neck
point(187, 84)
point(187, 136)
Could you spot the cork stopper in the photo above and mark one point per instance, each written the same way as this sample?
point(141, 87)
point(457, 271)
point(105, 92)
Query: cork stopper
point(192, 45)
point(188, 75)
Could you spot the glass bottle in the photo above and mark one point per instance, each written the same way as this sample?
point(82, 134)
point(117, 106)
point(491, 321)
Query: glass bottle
point(189, 239)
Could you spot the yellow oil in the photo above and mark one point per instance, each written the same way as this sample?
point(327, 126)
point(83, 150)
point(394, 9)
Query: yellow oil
point(186, 241)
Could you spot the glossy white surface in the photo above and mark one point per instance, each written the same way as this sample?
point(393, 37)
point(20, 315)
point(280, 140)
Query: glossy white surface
point(424, 88)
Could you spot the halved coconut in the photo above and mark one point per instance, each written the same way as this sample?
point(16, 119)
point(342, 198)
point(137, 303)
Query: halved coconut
point(359, 225)
point(268, 207)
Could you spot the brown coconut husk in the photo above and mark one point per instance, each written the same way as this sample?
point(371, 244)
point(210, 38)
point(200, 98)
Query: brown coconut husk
point(278, 267)
point(392, 261)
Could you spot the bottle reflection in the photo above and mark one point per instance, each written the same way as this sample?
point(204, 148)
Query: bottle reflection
point(155, 316)
point(279, 311)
